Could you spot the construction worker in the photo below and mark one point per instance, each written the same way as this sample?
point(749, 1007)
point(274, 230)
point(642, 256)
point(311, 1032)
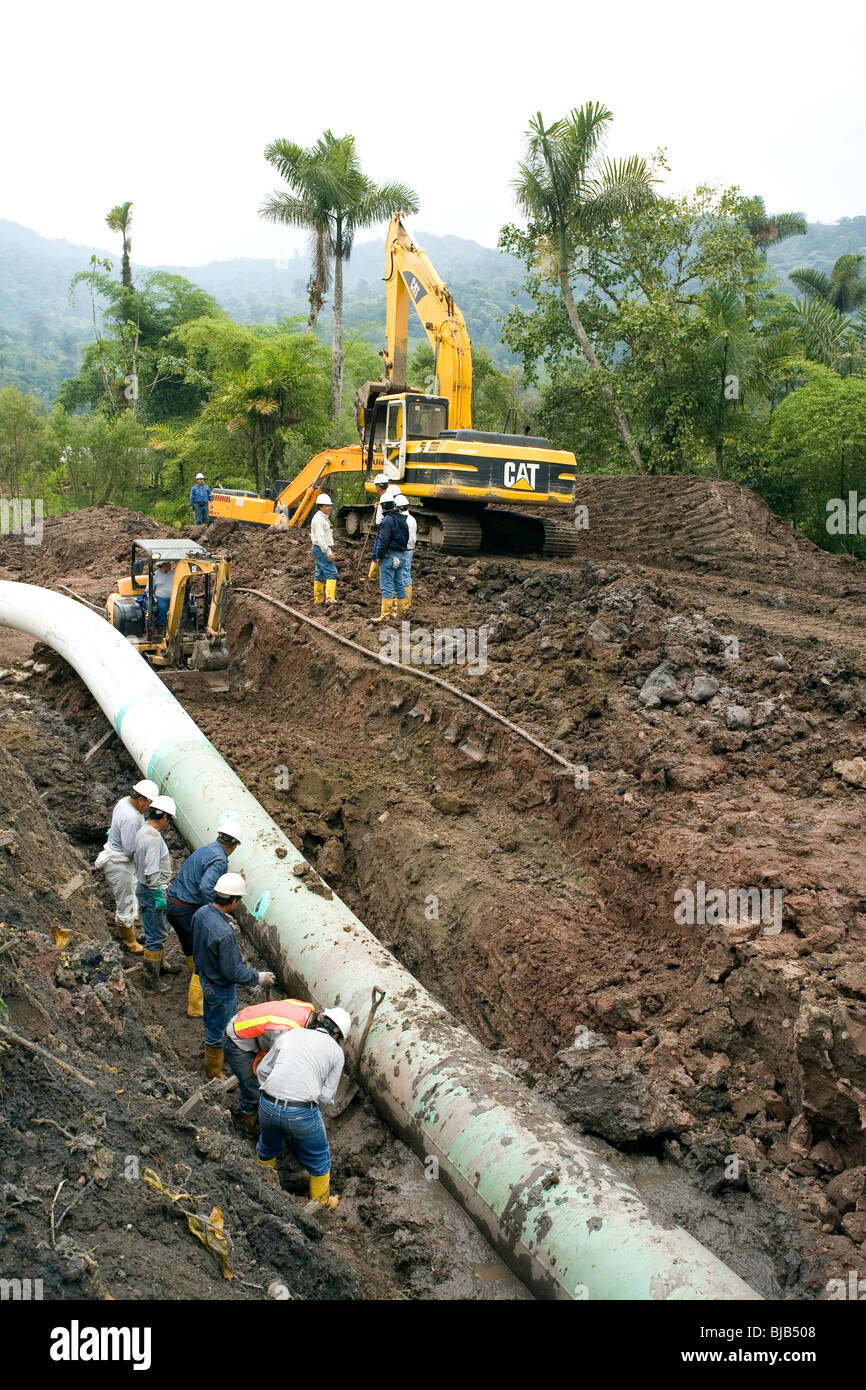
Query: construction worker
point(115, 858)
point(249, 1035)
point(389, 550)
point(402, 505)
point(322, 540)
point(153, 873)
point(219, 965)
point(199, 497)
point(194, 887)
point(301, 1072)
point(163, 583)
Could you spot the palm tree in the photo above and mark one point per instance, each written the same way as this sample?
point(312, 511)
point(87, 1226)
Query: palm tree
point(332, 198)
point(844, 287)
point(768, 229)
point(120, 220)
point(569, 193)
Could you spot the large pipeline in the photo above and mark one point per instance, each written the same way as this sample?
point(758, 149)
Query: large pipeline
point(566, 1222)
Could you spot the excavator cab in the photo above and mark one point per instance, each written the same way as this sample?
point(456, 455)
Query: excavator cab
point(195, 586)
point(391, 420)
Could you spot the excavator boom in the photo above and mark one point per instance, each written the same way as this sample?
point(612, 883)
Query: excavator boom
point(411, 278)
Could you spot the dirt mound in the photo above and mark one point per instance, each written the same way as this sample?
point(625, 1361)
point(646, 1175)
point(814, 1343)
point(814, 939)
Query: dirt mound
point(685, 521)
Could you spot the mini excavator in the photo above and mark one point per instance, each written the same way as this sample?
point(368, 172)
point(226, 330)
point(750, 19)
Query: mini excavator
point(194, 633)
point(425, 441)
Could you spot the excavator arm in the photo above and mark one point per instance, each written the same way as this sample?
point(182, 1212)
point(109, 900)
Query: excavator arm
point(410, 277)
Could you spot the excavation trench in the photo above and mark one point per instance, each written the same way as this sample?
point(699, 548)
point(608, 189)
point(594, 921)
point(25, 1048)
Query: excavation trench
point(724, 1066)
point(540, 1196)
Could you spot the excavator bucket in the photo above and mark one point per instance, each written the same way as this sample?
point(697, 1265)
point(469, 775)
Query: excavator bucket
point(209, 656)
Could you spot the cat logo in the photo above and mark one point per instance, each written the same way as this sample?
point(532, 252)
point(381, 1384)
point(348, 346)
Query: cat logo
point(414, 286)
point(520, 475)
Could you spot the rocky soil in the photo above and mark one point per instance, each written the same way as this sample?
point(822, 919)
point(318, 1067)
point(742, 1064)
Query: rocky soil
point(703, 671)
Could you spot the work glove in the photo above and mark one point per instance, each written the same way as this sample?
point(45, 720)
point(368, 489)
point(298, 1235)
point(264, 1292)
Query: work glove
point(331, 556)
point(266, 978)
point(374, 570)
point(396, 561)
point(159, 900)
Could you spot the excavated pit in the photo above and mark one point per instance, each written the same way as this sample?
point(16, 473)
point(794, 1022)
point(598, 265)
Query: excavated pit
point(727, 1063)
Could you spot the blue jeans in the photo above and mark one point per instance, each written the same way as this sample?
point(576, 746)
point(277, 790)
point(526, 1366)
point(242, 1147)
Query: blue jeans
point(201, 513)
point(299, 1126)
point(162, 611)
point(240, 1063)
point(219, 1003)
point(390, 581)
point(181, 919)
point(155, 925)
point(406, 569)
point(325, 568)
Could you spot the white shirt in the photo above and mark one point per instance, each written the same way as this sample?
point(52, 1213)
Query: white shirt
point(125, 825)
point(163, 583)
point(412, 524)
point(392, 490)
point(151, 857)
point(303, 1064)
point(321, 532)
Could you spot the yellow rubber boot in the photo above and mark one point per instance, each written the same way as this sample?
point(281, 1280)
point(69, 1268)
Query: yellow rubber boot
point(320, 1189)
point(330, 591)
point(402, 605)
point(194, 999)
point(267, 1162)
point(408, 598)
point(213, 1060)
point(386, 610)
point(319, 591)
point(126, 932)
point(152, 962)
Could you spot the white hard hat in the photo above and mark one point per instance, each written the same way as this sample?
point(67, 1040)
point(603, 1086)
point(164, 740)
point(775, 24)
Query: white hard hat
point(401, 501)
point(232, 829)
point(164, 803)
point(380, 480)
point(146, 788)
point(230, 886)
point(342, 1019)
point(199, 475)
point(323, 500)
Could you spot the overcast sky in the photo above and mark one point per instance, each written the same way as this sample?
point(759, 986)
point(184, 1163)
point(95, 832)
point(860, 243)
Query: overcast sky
point(171, 105)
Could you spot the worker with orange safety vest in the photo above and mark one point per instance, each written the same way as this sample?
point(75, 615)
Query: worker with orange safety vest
point(249, 1035)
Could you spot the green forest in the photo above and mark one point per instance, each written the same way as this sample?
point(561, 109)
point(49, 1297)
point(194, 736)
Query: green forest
point(699, 334)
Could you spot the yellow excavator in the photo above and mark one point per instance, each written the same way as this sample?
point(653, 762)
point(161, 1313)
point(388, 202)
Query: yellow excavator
point(193, 633)
point(425, 441)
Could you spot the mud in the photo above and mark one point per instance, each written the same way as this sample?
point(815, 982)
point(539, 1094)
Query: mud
point(728, 1061)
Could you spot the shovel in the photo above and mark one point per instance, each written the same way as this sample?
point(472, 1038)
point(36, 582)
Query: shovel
point(348, 1087)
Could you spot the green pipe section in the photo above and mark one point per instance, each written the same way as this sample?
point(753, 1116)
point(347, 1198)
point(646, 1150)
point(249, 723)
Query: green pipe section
point(568, 1223)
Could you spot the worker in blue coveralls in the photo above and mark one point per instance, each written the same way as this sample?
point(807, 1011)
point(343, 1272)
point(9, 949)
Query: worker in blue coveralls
point(199, 497)
point(191, 889)
point(219, 965)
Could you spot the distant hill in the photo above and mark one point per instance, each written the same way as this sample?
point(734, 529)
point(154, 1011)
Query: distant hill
point(42, 333)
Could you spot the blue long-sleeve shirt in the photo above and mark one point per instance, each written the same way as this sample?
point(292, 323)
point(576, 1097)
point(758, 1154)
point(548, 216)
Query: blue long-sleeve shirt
point(215, 951)
point(393, 534)
point(199, 492)
point(198, 874)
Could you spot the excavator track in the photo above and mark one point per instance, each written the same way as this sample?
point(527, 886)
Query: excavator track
point(455, 533)
point(559, 539)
